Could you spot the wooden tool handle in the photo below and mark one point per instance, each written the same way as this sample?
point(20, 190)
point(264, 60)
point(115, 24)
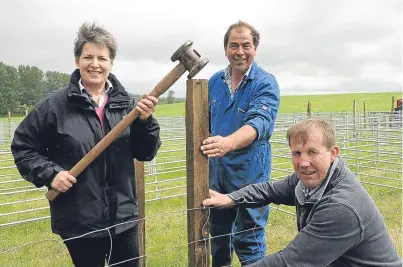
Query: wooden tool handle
point(158, 90)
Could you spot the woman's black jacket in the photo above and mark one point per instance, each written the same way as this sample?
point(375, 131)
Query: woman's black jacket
point(60, 131)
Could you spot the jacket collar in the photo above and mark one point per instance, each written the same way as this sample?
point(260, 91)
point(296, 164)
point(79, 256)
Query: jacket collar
point(253, 71)
point(118, 95)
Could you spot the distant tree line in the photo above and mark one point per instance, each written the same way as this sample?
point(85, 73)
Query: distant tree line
point(23, 87)
point(169, 99)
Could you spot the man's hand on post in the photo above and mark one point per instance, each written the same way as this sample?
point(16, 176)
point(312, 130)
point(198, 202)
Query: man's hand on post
point(217, 146)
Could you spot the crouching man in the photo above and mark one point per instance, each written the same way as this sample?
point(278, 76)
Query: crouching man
point(338, 222)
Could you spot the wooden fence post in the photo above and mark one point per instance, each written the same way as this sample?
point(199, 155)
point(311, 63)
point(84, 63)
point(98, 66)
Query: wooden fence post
point(392, 112)
point(309, 111)
point(197, 130)
point(393, 104)
point(139, 169)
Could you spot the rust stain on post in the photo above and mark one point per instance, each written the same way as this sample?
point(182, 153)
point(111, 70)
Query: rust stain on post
point(197, 172)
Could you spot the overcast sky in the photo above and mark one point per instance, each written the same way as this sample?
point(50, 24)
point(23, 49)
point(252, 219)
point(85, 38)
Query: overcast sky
point(311, 47)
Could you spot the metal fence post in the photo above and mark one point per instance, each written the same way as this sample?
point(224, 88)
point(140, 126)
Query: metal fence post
point(153, 171)
point(1, 133)
point(345, 131)
point(9, 125)
point(377, 140)
point(356, 152)
point(365, 114)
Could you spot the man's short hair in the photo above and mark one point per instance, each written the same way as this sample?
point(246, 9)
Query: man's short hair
point(300, 131)
point(241, 24)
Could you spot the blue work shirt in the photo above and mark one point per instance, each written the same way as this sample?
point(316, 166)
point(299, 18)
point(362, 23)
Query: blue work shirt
point(254, 103)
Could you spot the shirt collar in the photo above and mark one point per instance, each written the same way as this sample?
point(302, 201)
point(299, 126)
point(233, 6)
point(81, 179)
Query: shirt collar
point(227, 73)
point(108, 87)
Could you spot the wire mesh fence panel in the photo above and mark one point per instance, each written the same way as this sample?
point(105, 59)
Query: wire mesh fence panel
point(371, 145)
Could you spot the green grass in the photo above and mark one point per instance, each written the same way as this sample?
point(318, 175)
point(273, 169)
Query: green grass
point(166, 229)
point(166, 223)
point(339, 102)
point(290, 104)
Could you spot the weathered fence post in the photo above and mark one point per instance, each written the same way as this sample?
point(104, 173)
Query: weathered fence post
point(139, 169)
point(392, 112)
point(309, 109)
point(197, 130)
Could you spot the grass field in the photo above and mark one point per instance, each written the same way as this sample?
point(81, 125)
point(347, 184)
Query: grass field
point(290, 104)
point(166, 232)
point(319, 103)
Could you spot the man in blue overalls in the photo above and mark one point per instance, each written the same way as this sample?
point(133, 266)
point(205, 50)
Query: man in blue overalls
point(243, 103)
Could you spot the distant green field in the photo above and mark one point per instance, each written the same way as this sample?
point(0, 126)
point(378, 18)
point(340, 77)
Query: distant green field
point(290, 104)
point(319, 103)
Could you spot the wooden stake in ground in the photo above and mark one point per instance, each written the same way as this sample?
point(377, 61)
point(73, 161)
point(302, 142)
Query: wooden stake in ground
point(393, 104)
point(139, 168)
point(197, 130)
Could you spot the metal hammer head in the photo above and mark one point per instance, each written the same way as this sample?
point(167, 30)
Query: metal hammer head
point(190, 58)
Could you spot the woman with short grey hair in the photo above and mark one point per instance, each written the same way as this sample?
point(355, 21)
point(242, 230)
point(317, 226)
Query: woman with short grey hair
point(96, 213)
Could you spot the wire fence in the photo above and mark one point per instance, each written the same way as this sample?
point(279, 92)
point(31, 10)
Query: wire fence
point(370, 143)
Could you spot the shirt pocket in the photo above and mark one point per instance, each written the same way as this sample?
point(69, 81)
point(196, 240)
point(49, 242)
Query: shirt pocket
point(241, 111)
